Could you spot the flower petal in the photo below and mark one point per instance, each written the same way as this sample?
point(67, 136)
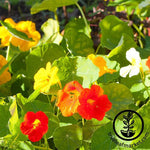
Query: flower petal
point(134, 71)
point(133, 54)
point(125, 70)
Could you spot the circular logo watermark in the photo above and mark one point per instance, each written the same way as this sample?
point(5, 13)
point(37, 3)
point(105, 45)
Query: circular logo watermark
point(128, 125)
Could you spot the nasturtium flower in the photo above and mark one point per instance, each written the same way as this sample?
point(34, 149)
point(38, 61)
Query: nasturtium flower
point(35, 125)
point(27, 27)
point(45, 78)
point(93, 103)
point(101, 64)
point(68, 101)
point(148, 62)
point(5, 76)
point(133, 57)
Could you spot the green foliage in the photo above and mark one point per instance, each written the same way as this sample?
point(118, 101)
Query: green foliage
point(75, 68)
point(51, 32)
point(119, 95)
point(51, 5)
point(69, 52)
point(4, 115)
point(71, 137)
point(112, 29)
point(15, 32)
point(41, 55)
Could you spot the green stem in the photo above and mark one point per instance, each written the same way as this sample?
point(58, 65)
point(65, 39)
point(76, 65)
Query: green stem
point(55, 15)
point(84, 18)
point(13, 141)
point(138, 30)
point(46, 143)
point(8, 50)
point(98, 48)
point(42, 148)
point(83, 121)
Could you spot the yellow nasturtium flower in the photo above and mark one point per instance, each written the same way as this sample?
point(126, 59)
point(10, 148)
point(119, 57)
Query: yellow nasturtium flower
point(28, 27)
point(5, 76)
point(45, 78)
point(101, 64)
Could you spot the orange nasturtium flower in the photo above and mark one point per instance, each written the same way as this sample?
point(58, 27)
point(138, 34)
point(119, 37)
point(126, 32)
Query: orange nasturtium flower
point(68, 101)
point(148, 62)
point(101, 64)
point(45, 78)
point(35, 125)
point(5, 76)
point(28, 27)
point(93, 104)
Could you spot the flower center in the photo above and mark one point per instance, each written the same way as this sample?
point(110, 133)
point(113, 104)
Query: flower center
point(90, 101)
point(133, 61)
point(36, 123)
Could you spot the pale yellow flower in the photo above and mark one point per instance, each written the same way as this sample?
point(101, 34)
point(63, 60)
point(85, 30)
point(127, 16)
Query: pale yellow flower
point(101, 64)
point(28, 27)
point(5, 76)
point(45, 78)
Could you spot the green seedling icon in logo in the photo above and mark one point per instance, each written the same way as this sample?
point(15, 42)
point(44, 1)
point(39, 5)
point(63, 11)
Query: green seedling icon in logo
point(128, 125)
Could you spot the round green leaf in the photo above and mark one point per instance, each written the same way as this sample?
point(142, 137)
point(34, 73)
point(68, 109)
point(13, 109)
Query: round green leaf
point(68, 137)
point(120, 97)
point(112, 29)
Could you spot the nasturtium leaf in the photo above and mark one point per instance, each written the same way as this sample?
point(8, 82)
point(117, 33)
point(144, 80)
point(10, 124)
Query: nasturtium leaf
point(78, 68)
point(144, 112)
point(119, 52)
point(51, 5)
point(120, 97)
point(51, 32)
point(37, 106)
point(91, 126)
point(87, 70)
point(15, 32)
point(68, 137)
point(18, 66)
point(53, 123)
point(15, 122)
point(4, 118)
point(78, 43)
point(78, 25)
point(23, 85)
point(101, 138)
point(41, 55)
point(27, 145)
point(112, 29)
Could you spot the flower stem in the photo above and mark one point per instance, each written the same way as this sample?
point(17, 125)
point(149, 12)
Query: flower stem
point(83, 121)
point(46, 143)
point(42, 148)
point(84, 18)
point(55, 15)
point(8, 50)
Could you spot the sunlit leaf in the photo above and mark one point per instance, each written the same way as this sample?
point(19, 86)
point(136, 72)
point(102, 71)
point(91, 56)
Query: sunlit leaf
point(51, 5)
point(112, 29)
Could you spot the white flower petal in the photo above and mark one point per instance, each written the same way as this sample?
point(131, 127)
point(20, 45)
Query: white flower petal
point(134, 71)
point(133, 54)
point(125, 70)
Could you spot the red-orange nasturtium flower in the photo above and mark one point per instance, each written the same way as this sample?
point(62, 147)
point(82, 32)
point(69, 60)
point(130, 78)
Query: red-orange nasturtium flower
point(68, 101)
point(93, 104)
point(35, 125)
point(27, 27)
point(148, 62)
point(101, 64)
point(5, 76)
